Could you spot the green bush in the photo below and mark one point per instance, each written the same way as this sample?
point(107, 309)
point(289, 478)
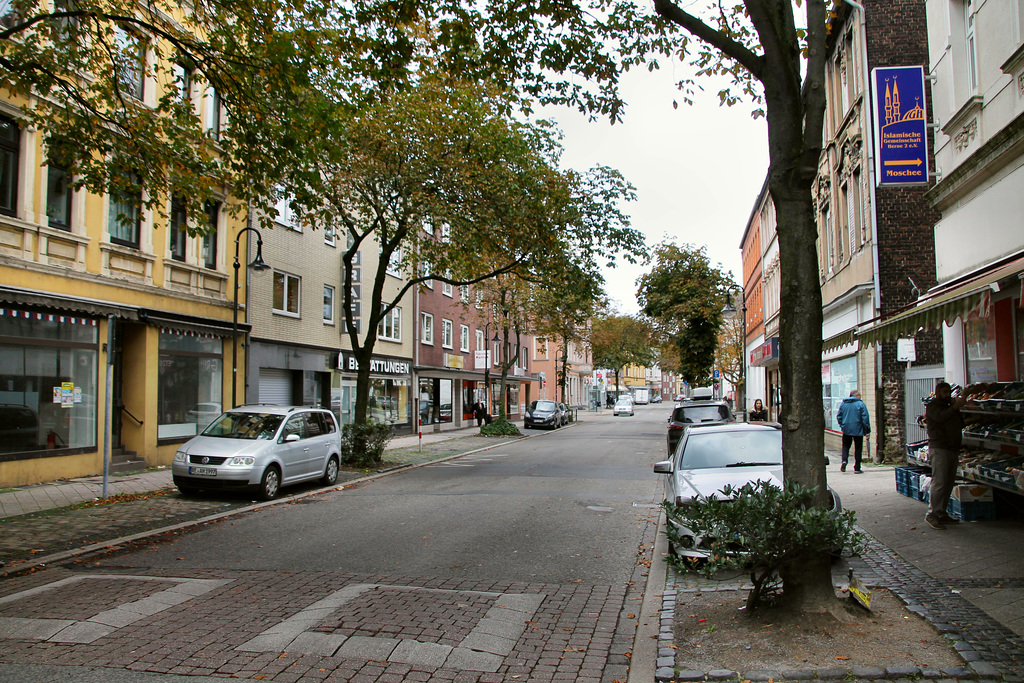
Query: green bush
point(500, 427)
point(363, 445)
point(759, 528)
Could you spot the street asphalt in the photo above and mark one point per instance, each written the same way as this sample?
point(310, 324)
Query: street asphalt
point(967, 580)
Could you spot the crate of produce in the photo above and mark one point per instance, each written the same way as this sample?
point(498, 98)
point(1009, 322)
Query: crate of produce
point(971, 511)
point(908, 479)
point(972, 493)
point(918, 450)
point(1000, 473)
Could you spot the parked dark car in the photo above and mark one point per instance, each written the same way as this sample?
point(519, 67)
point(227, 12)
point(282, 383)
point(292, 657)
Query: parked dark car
point(545, 413)
point(695, 412)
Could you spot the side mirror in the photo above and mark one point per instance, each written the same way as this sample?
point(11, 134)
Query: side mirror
point(663, 467)
point(291, 437)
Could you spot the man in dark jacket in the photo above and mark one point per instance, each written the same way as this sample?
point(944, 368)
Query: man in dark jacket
point(855, 422)
point(945, 427)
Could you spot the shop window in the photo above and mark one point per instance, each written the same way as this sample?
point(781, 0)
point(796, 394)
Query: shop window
point(286, 294)
point(389, 400)
point(190, 384)
point(10, 151)
point(980, 337)
point(435, 397)
point(48, 390)
point(838, 379)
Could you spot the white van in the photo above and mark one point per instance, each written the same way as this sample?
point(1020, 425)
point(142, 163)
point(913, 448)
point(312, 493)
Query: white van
point(703, 394)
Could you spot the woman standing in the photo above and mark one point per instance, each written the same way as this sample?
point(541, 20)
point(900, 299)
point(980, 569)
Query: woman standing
point(758, 414)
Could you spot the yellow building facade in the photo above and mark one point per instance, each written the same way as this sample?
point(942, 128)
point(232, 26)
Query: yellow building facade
point(84, 296)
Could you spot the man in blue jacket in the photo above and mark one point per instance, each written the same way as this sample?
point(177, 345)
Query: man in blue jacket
point(854, 421)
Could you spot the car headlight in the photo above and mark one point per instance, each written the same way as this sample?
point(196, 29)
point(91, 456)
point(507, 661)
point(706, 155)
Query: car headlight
point(242, 461)
point(180, 457)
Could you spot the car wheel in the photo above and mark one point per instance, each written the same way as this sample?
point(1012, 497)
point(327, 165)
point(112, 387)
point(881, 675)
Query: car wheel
point(270, 484)
point(330, 477)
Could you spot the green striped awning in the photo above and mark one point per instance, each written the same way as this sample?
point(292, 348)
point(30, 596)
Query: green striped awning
point(941, 306)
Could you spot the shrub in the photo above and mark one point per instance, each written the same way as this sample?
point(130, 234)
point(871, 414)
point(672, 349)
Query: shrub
point(363, 444)
point(759, 528)
point(500, 427)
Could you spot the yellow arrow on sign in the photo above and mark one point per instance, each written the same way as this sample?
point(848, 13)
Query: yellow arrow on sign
point(904, 162)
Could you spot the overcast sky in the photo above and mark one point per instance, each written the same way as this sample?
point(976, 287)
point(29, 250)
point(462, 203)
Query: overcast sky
point(697, 169)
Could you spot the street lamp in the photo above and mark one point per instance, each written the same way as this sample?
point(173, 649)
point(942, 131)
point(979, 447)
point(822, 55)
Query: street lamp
point(257, 265)
point(729, 312)
point(487, 364)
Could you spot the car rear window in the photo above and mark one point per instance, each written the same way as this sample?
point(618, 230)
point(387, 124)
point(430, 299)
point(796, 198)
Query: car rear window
point(249, 426)
point(696, 414)
point(725, 448)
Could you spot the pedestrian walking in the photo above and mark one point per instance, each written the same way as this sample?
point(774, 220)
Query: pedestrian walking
point(945, 425)
point(479, 412)
point(759, 413)
point(855, 422)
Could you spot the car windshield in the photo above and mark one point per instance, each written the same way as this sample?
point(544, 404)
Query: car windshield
point(250, 426)
point(732, 449)
point(696, 414)
point(548, 406)
point(623, 402)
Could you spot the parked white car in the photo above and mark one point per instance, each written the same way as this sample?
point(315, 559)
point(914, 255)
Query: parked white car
point(261, 448)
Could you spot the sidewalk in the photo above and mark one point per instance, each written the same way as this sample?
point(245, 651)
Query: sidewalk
point(967, 580)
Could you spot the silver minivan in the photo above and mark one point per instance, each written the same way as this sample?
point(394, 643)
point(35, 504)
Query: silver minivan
point(263, 448)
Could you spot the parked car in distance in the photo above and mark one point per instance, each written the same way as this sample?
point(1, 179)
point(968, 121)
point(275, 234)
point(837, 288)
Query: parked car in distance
point(656, 398)
point(263, 448)
point(623, 406)
point(711, 456)
point(545, 413)
point(565, 413)
point(695, 412)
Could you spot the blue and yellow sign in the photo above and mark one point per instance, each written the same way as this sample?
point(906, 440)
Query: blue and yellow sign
point(901, 131)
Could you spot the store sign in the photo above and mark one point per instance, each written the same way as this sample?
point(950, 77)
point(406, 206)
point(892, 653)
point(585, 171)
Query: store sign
point(378, 365)
point(906, 350)
point(901, 131)
point(454, 360)
point(481, 360)
point(765, 352)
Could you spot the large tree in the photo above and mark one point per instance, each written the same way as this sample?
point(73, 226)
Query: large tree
point(682, 294)
point(617, 341)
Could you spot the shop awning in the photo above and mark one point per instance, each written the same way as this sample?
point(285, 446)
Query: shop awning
point(78, 305)
point(190, 324)
point(841, 339)
point(943, 305)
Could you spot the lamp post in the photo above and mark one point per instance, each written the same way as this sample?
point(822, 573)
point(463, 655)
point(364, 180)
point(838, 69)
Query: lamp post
point(728, 312)
point(487, 363)
point(257, 265)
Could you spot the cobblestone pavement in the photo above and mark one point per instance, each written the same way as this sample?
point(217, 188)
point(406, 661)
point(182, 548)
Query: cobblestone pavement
point(283, 626)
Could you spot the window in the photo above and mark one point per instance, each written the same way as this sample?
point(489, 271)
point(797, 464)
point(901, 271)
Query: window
point(390, 328)
point(212, 211)
point(464, 338)
point(541, 347)
point(329, 237)
point(394, 268)
point(286, 294)
point(130, 62)
point(211, 115)
point(189, 384)
point(124, 217)
point(10, 151)
point(525, 358)
point(178, 233)
point(447, 334)
point(480, 340)
point(463, 292)
point(283, 208)
point(426, 328)
point(328, 304)
point(447, 289)
point(58, 197)
point(971, 45)
point(182, 81)
point(496, 353)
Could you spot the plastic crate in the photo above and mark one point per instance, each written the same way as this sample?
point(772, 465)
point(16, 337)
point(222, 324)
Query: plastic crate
point(908, 479)
point(971, 512)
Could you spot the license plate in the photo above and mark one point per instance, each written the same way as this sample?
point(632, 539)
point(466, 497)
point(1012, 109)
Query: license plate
point(203, 471)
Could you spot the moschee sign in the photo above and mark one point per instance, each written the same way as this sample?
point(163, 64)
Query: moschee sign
point(901, 131)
